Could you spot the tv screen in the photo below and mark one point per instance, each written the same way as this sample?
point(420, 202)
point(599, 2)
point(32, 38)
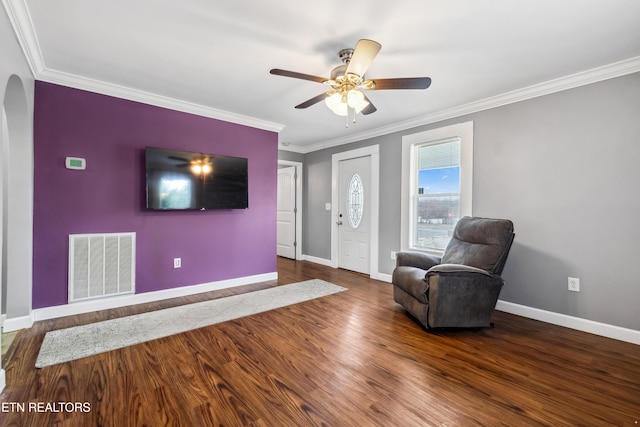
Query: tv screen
point(179, 180)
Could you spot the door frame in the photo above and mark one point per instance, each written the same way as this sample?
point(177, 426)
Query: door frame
point(373, 152)
point(299, 187)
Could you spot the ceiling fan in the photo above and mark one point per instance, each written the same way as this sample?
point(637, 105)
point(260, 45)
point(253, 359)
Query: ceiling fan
point(347, 81)
point(199, 165)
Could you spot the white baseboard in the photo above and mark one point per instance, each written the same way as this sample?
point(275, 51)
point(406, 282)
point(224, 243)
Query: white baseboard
point(610, 331)
point(321, 261)
point(383, 277)
point(125, 300)
point(602, 329)
point(17, 323)
point(597, 328)
point(584, 325)
point(327, 262)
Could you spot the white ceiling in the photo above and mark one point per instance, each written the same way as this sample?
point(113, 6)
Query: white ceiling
point(213, 57)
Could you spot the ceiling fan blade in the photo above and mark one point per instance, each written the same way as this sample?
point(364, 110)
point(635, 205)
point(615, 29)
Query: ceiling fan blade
point(295, 75)
point(181, 159)
point(369, 108)
point(402, 83)
point(312, 101)
point(363, 55)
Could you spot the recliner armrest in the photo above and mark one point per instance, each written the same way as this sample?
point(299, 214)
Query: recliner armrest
point(417, 259)
point(459, 268)
point(461, 295)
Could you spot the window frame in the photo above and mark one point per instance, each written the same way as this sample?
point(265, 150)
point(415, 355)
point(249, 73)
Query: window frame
point(409, 181)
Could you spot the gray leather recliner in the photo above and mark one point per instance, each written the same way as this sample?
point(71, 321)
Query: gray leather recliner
point(461, 288)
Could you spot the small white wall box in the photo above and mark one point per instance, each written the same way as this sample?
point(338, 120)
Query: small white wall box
point(75, 163)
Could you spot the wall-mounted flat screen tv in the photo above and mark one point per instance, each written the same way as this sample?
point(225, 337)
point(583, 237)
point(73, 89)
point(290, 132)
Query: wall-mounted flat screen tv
point(178, 180)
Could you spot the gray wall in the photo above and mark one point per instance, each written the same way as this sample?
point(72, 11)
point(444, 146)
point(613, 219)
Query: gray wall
point(563, 167)
point(290, 156)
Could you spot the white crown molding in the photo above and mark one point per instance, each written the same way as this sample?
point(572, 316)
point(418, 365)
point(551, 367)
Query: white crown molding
point(22, 23)
point(292, 148)
point(20, 19)
point(123, 92)
point(617, 69)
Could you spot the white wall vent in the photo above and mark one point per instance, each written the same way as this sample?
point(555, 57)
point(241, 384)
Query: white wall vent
point(101, 265)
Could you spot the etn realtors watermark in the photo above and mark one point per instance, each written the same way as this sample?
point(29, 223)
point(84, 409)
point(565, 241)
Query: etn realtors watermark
point(66, 407)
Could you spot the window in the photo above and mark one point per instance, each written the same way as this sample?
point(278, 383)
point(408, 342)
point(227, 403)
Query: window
point(436, 185)
point(355, 201)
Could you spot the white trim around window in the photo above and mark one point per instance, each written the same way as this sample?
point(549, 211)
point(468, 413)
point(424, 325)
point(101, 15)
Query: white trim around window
point(410, 144)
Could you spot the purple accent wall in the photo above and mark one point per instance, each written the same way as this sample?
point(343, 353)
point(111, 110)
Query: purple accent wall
point(109, 196)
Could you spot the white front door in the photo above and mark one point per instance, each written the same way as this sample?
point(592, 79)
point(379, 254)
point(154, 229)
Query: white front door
point(354, 214)
point(286, 216)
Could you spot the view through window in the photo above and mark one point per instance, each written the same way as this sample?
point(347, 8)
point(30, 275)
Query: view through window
point(437, 199)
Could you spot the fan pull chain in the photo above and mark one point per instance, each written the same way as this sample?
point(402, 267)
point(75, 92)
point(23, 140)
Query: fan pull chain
point(347, 116)
point(355, 114)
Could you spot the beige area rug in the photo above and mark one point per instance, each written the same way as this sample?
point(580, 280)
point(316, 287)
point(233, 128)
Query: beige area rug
point(7, 340)
point(81, 341)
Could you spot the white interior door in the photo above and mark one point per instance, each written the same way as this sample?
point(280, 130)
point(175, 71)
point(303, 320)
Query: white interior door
point(286, 216)
point(354, 214)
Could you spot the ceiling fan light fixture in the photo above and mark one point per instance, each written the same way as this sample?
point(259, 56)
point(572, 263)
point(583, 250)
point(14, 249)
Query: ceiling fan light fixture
point(340, 102)
point(336, 104)
point(356, 100)
point(347, 82)
point(201, 167)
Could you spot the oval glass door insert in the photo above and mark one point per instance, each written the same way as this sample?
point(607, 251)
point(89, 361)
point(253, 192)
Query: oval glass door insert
point(355, 200)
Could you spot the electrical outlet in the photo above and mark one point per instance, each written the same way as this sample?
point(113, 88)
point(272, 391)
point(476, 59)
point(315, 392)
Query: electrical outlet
point(177, 262)
point(574, 284)
point(393, 255)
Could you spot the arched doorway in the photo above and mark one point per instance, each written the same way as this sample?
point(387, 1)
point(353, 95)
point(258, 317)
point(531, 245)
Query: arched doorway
point(17, 206)
point(16, 209)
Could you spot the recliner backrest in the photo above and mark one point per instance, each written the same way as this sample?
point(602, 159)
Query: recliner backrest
point(480, 242)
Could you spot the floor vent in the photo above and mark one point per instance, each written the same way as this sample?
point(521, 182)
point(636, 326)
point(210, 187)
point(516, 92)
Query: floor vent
point(101, 265)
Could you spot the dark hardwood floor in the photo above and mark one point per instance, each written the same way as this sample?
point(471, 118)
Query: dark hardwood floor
point(350, 359)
